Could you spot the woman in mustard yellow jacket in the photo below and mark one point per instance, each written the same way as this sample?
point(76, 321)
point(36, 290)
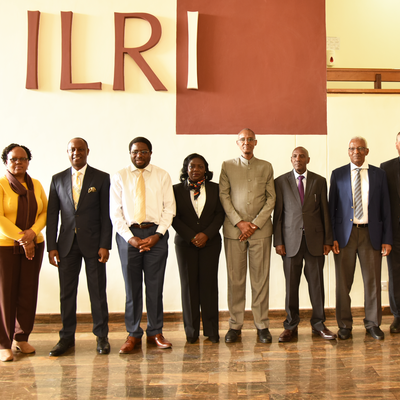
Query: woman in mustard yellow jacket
point(23, 211)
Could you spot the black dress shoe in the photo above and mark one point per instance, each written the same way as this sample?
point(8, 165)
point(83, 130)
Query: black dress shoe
point(376, 332)
point(264, 335)
point(325, 334)
point(103, 345)
point(232, 335)
point(344, 333)
point(214, 338)
point(395, 327)
point(191, 339)
point(287, 335)
point(61, 347)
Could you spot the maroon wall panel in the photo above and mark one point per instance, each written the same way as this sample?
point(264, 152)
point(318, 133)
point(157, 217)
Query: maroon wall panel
point(261, 65)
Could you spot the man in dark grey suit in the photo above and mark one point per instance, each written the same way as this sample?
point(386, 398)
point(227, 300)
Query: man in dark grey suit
point(81, 195)
point(302, 231)
point(392, 169)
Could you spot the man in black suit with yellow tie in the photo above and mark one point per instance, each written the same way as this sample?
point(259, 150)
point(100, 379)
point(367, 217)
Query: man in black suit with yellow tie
point(81, 195)
point(392, 169)
point(302, 233)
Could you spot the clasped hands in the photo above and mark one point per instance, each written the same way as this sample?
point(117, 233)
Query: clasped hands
point(27, 242)
point(247, 229)
point(144, 244)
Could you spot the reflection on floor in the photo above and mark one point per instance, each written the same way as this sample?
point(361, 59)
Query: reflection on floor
point(310, 368)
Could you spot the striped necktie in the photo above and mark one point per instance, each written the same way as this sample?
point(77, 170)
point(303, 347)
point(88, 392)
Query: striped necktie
point(358, 196)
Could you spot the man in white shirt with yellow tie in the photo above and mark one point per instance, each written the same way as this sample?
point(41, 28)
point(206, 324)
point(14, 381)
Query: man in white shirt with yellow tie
point(142, 206)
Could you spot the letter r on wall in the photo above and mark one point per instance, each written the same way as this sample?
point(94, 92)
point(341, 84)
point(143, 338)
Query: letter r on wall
point(134, 52)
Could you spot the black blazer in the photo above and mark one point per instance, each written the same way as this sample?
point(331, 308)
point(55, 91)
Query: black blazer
point(392, 169)
point(186, 222)
point(91, 220)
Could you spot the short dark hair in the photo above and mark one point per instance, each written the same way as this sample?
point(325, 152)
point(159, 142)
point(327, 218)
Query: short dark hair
point(184, 171)
point(80, 138)
point(12, 146)
point(140, 139)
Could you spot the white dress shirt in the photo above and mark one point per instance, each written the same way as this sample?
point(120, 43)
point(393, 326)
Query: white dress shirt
point(296, 175)
point(74, 171)
point(160, 200)
point(199, 204)
point(364, 190)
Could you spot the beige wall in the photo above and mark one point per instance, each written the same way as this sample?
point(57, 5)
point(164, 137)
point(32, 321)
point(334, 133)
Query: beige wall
point(46, 119)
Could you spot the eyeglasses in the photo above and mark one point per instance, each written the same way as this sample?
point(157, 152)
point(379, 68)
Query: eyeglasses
point(142, 152)
point(360, 149)
point(249, 140)
point(20, 159)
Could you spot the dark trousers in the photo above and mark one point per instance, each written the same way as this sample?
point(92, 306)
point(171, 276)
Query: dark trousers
point(198, 271)
point(152, 265)
point(394, 276)
point(345, 265)
point(313, 271)
point(19, 281)
point(68, 273)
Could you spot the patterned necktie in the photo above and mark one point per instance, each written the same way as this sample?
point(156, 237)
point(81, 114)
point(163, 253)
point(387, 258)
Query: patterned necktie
point(140, 199)
point(301, 188)
point(358, 196)
point(76, 188)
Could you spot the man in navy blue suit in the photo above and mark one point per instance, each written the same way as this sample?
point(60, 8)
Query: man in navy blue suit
point(359, 206)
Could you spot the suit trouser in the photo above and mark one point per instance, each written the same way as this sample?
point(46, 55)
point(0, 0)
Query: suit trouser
point(394, 276)
point(198, 271)
point(258, 252)
point(314, 273)
point(19, 281)
point(345, 264)
point(152, 264)
point(68, 273)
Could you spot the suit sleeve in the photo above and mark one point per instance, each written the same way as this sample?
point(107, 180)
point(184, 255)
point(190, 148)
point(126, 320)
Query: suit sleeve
point(270, 197)
point(325, 216)
point(225, 197)
point(278, 216)
point(332, 203)
point(178, 223)
point(387, 234)
point(53, 210)
point(218, 220)
point(106, 226)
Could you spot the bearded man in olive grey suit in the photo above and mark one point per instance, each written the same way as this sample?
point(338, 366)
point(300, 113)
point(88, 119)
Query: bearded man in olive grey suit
point(302, 231)
point(247, 194)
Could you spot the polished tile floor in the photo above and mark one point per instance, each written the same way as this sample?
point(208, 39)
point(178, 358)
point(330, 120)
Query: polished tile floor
point(310, 368)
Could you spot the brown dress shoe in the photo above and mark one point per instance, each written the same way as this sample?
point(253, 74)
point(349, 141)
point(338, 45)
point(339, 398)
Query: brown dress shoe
point(159, 340)
point(287, 335)
point(130, 344)
point(325, 334)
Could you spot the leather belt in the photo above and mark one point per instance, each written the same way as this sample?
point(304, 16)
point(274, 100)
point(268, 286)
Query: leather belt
point(143, 225)
point(361, 225)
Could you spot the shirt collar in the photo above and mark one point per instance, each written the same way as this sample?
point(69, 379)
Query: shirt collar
point(296, 175)
point(82, 170)
point(246, 161)
point(353, 166)
point(133, 168)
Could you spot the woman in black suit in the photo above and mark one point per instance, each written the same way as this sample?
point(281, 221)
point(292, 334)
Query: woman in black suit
point(199, 216)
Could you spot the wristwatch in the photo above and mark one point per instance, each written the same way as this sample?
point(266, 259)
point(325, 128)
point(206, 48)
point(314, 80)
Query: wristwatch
point(160, 235)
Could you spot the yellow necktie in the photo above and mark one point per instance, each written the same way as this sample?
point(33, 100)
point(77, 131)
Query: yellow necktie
point(140, 199)
point(76, 188)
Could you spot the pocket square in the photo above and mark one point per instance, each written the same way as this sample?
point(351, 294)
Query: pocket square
point(92, 189)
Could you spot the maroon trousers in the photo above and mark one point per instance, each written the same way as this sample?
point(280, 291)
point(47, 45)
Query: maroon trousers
point(19, 281)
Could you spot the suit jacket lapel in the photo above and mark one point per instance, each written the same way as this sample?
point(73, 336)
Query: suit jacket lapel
point(347, 181)
point(397, 169)
point(371, 178)
point(309, 185)
point(293, 186)
point(67, 183)
point(87, 179)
